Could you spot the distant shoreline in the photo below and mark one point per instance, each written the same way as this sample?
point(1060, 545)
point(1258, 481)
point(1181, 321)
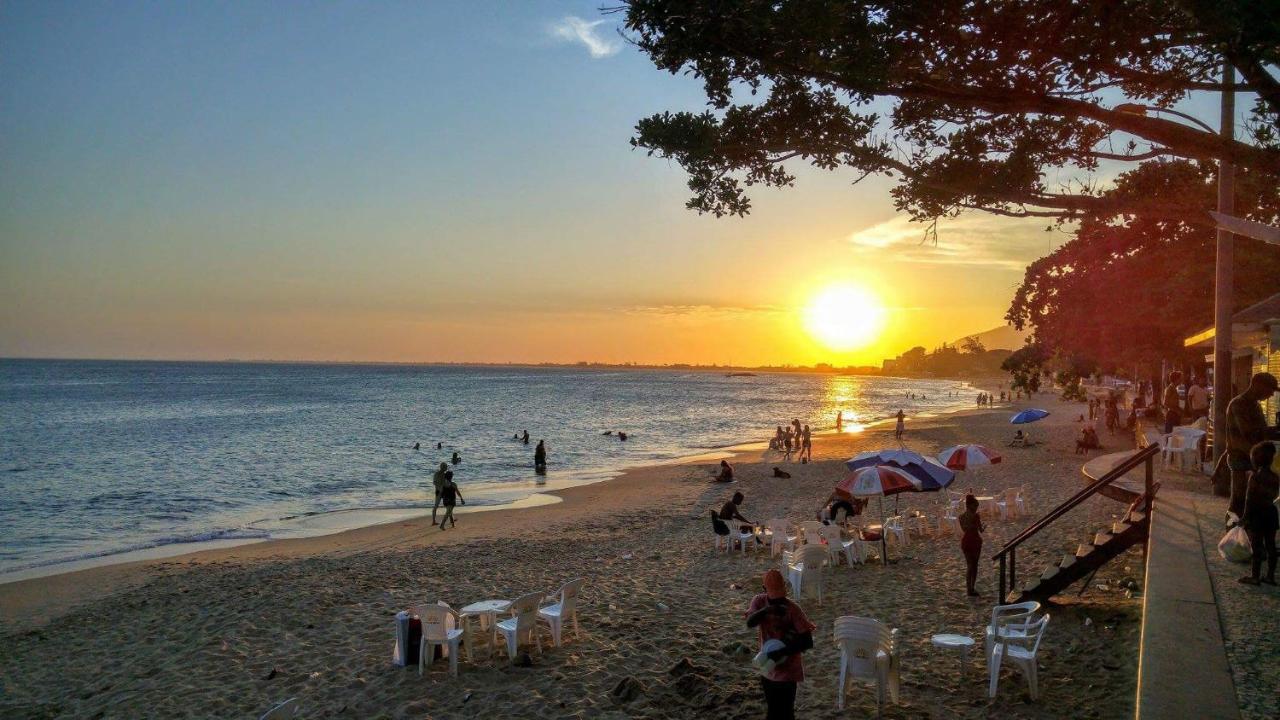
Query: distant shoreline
point(862, 371)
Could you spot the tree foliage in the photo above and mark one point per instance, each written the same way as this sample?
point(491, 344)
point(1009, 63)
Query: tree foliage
point(991, 101)
point(1127, 293)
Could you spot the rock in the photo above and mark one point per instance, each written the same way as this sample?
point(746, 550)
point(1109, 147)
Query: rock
point(627, 689)
point(271, 675)
point(663, 607)
point(466, 697)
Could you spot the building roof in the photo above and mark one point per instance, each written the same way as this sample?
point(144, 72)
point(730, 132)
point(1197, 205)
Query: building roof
point(1251, 318)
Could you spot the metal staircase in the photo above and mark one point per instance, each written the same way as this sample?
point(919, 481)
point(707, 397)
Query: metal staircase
point(1104, 546)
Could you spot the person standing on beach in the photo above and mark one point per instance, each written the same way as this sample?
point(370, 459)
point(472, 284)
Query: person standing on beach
point(897, 433)
point(778, 618)
point(1171, 402)
point(1197, 400)
point(786, 443)
point(540, 457)
point(437, 479)
point(1261, 519)
point(971, 542)
point(1246, 427)
point(451, 496)
point(806, 446)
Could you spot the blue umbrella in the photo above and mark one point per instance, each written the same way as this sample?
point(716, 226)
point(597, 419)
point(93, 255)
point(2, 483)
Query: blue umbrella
point(932, 475)
point(1029, 415)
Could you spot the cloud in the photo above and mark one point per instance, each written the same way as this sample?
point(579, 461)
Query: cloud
point(572, 28)
point(701, 310)
point(970, 239)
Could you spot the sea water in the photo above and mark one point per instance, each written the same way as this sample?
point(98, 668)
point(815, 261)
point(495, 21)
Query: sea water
point(103, 458)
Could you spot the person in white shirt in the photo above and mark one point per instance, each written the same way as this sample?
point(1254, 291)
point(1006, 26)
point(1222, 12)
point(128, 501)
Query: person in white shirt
point(1197, 401)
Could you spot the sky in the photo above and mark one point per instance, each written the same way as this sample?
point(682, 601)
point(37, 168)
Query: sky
point(419, 182)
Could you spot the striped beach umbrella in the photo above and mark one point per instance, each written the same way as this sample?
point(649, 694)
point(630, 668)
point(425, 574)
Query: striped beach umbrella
point(876, 481)
point(963, 457)
point(931, 476)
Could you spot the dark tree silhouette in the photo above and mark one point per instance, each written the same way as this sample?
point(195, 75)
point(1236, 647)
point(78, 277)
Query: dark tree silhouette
point(990, 100)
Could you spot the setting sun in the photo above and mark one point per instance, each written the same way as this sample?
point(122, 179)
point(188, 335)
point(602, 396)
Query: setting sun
point(844, 317)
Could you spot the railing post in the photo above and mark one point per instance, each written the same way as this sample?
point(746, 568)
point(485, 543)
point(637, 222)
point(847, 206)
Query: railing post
point(1149, 478)
point(1013, 573)
point(1001, 600)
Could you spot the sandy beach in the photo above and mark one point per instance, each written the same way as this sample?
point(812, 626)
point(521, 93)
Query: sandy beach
point(228, 633)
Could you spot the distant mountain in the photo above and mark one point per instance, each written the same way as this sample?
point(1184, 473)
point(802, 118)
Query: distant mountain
point(999, 338)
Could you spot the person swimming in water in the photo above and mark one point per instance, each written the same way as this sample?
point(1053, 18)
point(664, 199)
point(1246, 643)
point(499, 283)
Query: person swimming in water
point(416, 446)
point(525, 438)
point(456, 457)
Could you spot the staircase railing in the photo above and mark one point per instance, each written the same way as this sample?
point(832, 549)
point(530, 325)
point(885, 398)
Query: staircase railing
point(1008, 555)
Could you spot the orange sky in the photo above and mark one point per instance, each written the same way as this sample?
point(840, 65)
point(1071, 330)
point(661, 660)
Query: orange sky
point(447, 184)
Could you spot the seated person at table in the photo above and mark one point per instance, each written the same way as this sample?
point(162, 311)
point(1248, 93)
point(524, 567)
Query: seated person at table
point(835, 504)
point(729, 511)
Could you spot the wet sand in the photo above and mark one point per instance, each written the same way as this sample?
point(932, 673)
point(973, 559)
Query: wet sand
point(229, 632)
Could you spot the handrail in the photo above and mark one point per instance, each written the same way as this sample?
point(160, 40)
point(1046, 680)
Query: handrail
point(1116, 472)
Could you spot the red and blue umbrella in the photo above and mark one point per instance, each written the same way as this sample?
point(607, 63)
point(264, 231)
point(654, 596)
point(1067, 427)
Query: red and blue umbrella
point(929, 474)
point(877, 481)
point(963, 457)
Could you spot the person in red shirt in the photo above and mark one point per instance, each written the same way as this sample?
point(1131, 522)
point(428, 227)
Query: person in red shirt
point(778, 618)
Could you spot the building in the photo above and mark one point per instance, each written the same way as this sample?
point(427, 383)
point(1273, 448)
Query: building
point(1255, 347)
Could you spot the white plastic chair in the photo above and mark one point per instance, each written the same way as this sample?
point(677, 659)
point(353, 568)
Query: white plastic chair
point(868, 651)
point(811, 530)
point(833, 541)
point(893, 526)
point(744, 539)
point(440, 626)
point(949, 521)
point(1020, 652)
point(779, 537)
point(286, 710)
point(522, 627)
point(565, 608)
point(1008, 621)
point(1022, 501)
point(804, 569)
point(1007, 504)
point(855, 550)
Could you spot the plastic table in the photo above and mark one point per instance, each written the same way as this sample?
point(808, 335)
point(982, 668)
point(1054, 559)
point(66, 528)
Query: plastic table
point(958, 642)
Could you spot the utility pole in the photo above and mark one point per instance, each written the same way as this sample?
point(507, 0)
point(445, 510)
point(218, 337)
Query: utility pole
point(1223, 278)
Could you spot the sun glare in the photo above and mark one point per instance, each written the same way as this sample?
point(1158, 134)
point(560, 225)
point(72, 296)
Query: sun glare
point(844, 317)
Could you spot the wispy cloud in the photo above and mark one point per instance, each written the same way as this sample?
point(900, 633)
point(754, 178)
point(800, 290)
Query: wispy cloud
point(701, 310)
point(971, 239)
point(588, 33)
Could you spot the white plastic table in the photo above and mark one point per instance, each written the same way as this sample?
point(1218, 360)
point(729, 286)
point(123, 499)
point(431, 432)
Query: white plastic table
point(959, 642)
point(486, 611)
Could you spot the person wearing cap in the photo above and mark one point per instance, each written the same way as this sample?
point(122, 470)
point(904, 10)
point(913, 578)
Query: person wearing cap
point(1246, 427)
point(778, 618)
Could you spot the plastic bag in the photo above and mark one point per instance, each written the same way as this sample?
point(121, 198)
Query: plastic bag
point(1234, 546)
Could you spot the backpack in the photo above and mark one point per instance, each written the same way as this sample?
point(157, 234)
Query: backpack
point(718, 525)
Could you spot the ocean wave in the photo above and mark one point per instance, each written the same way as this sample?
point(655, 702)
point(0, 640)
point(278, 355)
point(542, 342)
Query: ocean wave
point(210, 536)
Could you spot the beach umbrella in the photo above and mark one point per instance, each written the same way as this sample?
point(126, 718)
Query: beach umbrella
point(878, 481)
point(1029, 415)
point(931, 475)
point(963, 457)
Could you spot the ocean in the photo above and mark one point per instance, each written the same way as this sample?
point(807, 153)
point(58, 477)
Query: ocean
point(101, 460)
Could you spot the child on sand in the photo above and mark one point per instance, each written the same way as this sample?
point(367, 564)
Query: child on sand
point(778, 618)
point(450, 495)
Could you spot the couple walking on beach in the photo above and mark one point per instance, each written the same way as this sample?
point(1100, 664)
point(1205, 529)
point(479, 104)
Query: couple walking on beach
point(447, 493)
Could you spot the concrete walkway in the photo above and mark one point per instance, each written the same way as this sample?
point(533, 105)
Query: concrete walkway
point(1182, 668)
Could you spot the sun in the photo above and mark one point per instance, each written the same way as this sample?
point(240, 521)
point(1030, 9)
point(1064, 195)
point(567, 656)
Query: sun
point(844, 317)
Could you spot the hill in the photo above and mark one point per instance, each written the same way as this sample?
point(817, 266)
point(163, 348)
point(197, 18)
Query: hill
point(1004, 337)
